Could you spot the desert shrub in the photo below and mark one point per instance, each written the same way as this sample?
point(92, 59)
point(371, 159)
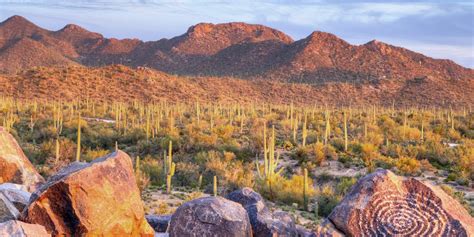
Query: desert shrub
point(232, 174)
point(186, 174)
point(408, 166)
point(287, 191)
point(90, 155)
point(344, 185)
point(319, 153)
point(369, 153)
point(327, 200)
point(154, 170)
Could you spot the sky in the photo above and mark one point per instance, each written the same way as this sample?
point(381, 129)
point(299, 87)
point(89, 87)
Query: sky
point(439, 29)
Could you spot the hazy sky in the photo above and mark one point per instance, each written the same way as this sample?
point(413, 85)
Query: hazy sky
point(440, 29)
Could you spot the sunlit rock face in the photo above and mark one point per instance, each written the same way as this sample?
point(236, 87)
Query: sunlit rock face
point(14, 165)
point(100, 198)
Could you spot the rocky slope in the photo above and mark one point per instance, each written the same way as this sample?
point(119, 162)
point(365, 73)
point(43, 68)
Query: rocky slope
point(125, 84)
point(230, 49)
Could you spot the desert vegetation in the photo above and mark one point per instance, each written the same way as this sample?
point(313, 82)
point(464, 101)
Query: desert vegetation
point(278, 149)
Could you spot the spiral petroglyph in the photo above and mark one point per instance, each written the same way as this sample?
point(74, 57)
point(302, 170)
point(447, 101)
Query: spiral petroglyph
point(382, 204)
point(393, 214)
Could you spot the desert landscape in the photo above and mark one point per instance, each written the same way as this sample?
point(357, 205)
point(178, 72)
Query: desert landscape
point(230, 129)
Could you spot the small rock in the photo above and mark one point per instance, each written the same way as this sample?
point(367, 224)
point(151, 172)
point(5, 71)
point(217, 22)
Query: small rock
point(327, 229)
point(8, 211)
point(159, 223)
point(303, 232)
point(210, 216)
point(263, 222)
point(16, 194)
point(16, 228)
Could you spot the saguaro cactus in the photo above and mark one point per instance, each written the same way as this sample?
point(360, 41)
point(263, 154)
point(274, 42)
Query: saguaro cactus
point(345, 132)
point(170, 167)
point(305, 130)
point(305, 189)
point(270, 172)
point(215, 186)
point(78, 152)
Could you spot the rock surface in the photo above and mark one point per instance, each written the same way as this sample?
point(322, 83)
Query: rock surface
point(263, 222)
point(15, 228)
point(382, 203)
point(327, 229)
point(8, 210)
point(159, 223)
point(16, 194)
point(14, 165)
point(97, 198)
point(210, 216)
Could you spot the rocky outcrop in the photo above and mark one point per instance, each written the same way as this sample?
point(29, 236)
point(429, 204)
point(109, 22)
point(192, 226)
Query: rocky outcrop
point(210, 216)
point(264, 223)
point(14, 165)
point(97, 198)
point(159, 223)
point(382, 203)
point(16, 194)
point(15, 228)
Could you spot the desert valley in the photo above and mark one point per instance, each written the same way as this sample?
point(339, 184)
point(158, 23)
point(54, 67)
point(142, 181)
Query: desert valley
point(230, 129)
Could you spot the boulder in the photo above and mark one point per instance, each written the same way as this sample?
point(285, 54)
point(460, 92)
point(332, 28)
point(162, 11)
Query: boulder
point(263, 222)
point(8, 211)
point(382, 203)
point(16, 194)
point(16, 228)
point(159, 223)
point(97, 198)
point(210, 216)
point(14, 166)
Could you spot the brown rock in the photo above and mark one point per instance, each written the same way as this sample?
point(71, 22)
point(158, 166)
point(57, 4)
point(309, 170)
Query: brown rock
point(14, 165)
point(264, 223)
point(327, 229)
point(159, 223)
point(15, 228)
point(210, 216)
point(97, 198)
point(382, 203)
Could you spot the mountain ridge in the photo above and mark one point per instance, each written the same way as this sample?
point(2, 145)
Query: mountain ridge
point(237, 49)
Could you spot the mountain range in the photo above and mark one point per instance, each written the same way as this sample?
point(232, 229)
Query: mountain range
point(230, 49)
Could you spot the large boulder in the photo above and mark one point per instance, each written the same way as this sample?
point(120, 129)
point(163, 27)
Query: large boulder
point(15, 228)
point(159, 223)
point(14, 166)
point(264, 223)
point(100, 198)
point(8, 210)
point(210, 216)
point(382, 203)
point(16, 194)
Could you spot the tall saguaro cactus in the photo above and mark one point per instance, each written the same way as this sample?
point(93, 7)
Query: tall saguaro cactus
point(170, 167)
point(78, 152)
point(345, 131)
point(270, 172)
